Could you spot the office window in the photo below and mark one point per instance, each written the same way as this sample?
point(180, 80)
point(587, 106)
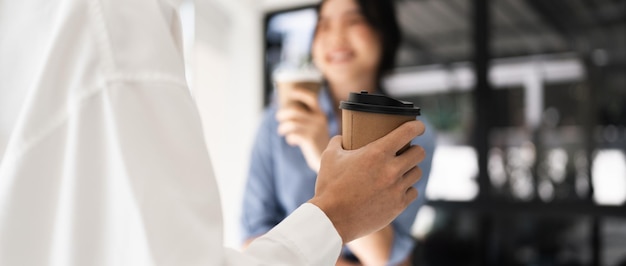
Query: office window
point(434, 72)
point(559, 124)
point(540, 178)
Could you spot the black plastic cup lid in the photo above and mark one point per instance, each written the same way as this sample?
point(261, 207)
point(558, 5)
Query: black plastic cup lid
point(381, 104)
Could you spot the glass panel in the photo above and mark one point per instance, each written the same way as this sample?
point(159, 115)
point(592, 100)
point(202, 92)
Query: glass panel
point(559, 100)
point(535, 240)
point(614, 241)
point(434, 32)
point(435, 74)
point(452, 238)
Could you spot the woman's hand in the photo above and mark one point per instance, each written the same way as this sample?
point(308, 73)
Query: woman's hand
point(375, 248)
point(304, 124)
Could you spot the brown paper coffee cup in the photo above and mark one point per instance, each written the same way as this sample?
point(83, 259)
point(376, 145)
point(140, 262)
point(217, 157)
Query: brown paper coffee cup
point(287, 80)
point(368, 117)
point(286, 88)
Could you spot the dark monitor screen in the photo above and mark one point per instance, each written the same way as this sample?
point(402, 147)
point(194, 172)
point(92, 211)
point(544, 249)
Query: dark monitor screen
point(288, 37)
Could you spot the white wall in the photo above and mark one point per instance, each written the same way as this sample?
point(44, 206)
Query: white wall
point(227, 85)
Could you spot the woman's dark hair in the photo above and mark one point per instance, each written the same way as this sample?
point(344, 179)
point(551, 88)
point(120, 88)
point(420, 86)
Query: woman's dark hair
point(381, 16)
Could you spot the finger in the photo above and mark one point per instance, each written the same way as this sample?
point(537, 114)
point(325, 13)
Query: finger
point(400, 136)
point(335, 142)
point(411, 177)
point(334, 147)
point(411, 157)
point(306, 96)
point(290, 127)
point(406, 162)
point(293, 112)
point(293, 139)
point(410, 195)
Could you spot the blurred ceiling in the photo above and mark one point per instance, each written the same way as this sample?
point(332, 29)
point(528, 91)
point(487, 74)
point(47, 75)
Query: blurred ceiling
point(273, 5)
point(439, 31)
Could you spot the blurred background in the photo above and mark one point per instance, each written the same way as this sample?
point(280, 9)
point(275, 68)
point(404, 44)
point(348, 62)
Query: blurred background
point(528, 98)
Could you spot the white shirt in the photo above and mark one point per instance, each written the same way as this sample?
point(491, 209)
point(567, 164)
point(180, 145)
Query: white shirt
point(106, 164)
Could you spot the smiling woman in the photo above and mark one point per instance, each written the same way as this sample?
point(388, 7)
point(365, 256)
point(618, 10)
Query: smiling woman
point(354, 45)
point(346, 48)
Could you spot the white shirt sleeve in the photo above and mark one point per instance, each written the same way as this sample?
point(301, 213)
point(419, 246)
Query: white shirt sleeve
point(107, 164)
point(307, 237)
point(121, 176)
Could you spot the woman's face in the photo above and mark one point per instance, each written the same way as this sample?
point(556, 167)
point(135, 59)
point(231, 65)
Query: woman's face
point(345, 47)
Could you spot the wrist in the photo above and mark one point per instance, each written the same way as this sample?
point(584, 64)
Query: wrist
point(313, 155)
point(334, 218)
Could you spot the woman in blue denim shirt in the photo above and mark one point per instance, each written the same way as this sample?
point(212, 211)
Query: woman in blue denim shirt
point(355, 43)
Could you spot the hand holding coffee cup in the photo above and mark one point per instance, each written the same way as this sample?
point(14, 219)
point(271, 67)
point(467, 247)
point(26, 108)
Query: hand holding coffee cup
point(301, 120)
point(289, 80)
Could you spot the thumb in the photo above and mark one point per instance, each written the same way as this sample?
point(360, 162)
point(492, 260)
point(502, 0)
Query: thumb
point(335, 143)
